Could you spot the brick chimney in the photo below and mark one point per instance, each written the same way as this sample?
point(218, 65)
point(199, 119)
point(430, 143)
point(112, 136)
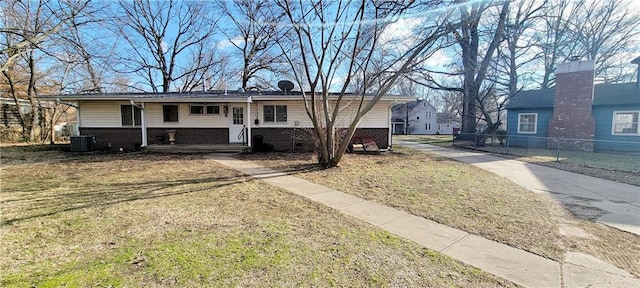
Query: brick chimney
point(572, 119)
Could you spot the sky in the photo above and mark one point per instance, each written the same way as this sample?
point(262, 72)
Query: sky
point(402, 29)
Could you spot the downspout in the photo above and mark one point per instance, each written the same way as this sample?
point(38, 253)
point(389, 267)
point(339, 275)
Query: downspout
point(76, 131)
point(249, 101)
point(143, 119)
point(389, 127)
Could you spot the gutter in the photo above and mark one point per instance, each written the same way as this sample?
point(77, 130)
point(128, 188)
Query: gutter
point(66, 103)
point(136, 105)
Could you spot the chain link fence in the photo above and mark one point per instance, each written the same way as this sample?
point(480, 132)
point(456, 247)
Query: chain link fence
point(609, 155)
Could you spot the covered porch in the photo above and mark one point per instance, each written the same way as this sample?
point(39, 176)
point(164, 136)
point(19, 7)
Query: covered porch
point(198, 148)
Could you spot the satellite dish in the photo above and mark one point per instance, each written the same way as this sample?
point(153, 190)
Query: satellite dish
point(285, 85)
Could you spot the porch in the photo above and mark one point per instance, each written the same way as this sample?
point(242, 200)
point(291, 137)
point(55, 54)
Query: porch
point(197, 148)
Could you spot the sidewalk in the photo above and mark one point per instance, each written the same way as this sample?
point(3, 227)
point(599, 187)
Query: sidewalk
point(607, 202)
point(518, 266)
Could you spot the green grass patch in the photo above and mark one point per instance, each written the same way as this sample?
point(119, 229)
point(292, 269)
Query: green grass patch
point(136, 220)
point(464, 197)
point(619, 167)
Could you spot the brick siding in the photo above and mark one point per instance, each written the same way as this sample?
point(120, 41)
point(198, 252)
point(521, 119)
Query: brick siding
point(301, 139)
point(282, 139)
point(572, 118)
point(129, 139)
point(189, 135)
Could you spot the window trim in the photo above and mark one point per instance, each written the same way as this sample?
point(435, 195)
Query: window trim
point(275, 114)
point(204, 110)
point(133, 115)
point(613, 123)
point(164, 120)
point(207, 112)
point(535, 123)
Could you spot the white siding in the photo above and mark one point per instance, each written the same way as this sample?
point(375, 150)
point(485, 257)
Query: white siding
point(107, 114)
point(185, 120)
point(100, 114)
point(421, 118)
point(378, 117)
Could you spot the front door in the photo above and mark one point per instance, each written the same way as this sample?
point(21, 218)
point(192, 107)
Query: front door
point(236, 125)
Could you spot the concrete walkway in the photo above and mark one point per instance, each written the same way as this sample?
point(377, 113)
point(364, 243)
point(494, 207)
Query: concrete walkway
point(513, 264)
point(608, 202)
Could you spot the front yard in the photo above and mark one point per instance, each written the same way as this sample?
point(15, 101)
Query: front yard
point(137, 220)
point(619, 167)
point(468, 198)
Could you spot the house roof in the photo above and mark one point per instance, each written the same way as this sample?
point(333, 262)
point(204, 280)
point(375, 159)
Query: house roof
point(399, 108)
point(604, 94)
point(203, 96)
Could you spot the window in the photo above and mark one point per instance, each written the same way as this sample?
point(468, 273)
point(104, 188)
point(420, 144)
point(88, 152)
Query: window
point(625, 123)
point(428, 127)
point(213, 109)
point(275, 113)
point(527, 123)
point(428, 114)
point(196, 110)
point(130, 115)
point(170, 113)
point(202, 110)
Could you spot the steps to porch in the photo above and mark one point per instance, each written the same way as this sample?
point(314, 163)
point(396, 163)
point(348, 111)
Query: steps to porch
point(198, 148)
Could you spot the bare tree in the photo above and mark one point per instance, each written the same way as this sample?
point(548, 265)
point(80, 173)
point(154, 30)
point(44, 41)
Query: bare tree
point(335, 43)
point(21, 34)
point(553, 38)
point(518, 49)
point(604, 31)
point(476, 65)
point(29, 25)
point(83, 54)
point(478, 39)
point(254, 34)
point(164, 34)
point(608, 32)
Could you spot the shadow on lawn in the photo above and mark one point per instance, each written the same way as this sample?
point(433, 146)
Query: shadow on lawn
point(86, 195)
point(43, 154)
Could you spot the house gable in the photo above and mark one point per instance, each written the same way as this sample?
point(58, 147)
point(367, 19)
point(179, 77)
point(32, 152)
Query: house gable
point(422, 117)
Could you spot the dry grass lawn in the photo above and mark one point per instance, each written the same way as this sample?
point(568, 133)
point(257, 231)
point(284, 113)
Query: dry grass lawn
point(619, 167)
point(156, 220)
point(465, 197)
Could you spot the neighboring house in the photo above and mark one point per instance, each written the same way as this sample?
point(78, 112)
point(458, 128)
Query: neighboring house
point(447, 124)
point(9, 114)
point(420, 116)
point(133, 120)
point(577, 112)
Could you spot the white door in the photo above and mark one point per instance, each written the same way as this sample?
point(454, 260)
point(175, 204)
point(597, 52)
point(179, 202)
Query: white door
point(236, 124)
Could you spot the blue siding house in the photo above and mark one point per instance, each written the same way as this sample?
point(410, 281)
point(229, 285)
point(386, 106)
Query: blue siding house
point(577, 112)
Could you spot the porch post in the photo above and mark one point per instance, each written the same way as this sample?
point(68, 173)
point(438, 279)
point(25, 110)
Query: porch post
point(249, 121)
point(390, 126)
point(143, 118)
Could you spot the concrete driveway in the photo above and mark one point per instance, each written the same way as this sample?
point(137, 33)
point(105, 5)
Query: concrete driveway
point(607, 202)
